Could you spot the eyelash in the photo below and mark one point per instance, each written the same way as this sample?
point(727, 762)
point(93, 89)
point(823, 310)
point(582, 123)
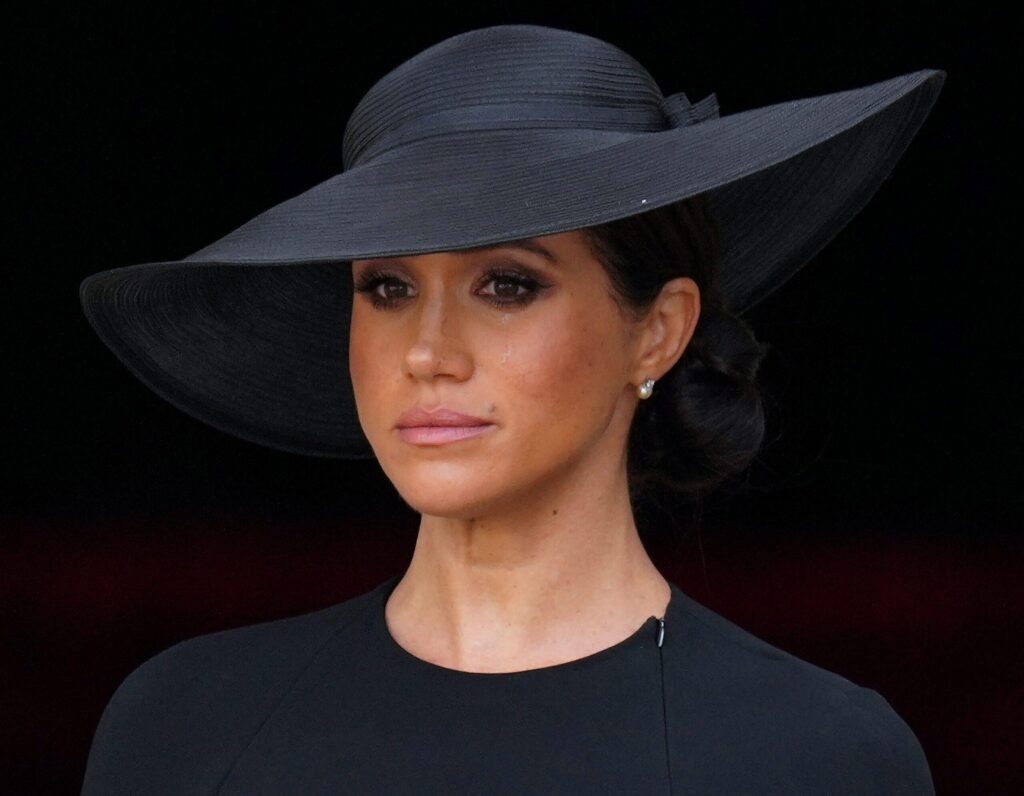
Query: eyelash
point(372, 279)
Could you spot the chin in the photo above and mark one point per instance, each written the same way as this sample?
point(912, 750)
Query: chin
point(449, 489)
point(462, 502)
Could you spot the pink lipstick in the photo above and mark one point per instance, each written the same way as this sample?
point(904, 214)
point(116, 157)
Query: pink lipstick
point(438, 426)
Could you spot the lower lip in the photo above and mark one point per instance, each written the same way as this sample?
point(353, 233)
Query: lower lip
point(440, 435)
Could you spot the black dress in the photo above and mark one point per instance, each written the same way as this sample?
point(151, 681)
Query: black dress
point(329, 703)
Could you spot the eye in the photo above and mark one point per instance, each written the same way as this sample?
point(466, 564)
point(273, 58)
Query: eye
point(373, 279)
point(512, 287)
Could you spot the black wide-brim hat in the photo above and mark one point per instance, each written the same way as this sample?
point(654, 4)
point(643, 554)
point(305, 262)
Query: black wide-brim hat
point(501, 133)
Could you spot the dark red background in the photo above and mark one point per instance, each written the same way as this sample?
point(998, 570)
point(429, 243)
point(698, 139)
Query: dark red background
point(878, 535)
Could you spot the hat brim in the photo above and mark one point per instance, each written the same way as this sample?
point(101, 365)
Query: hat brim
point(250, 333)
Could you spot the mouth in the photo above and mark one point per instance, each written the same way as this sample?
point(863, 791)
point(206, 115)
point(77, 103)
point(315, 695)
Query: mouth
point(441, 435)
point(439, 425)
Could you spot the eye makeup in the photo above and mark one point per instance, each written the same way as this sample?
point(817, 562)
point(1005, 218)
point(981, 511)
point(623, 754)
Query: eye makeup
point(525, 285)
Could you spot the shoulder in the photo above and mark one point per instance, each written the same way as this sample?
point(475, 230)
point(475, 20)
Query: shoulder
point(788, 725)
point(176, 722)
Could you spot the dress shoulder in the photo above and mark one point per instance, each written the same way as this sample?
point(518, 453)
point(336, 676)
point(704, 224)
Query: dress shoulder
point(177, 722)
point(788, 725)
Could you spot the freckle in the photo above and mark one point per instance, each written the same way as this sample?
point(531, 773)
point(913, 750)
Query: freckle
point(554, 511)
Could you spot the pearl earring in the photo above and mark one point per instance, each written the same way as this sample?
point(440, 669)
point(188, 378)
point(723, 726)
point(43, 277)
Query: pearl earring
point(645, 389)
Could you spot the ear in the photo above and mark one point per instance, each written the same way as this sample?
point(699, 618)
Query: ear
point(667, 329)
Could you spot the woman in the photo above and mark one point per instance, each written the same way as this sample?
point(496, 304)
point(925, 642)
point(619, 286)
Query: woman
point(534, 264)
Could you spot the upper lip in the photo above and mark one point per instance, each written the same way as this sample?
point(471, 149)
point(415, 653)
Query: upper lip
point(437, 416)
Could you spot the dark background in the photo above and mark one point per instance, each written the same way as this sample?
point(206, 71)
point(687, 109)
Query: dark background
point(878, 535)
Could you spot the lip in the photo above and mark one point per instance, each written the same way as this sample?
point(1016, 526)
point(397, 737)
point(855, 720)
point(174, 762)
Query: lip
point(420, 416)
point(441, 435)
point(438, 426)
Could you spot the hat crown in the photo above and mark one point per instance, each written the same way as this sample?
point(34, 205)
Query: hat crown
point(505, 77)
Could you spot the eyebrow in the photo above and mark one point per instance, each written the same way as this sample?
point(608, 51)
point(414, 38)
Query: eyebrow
point(528, 244)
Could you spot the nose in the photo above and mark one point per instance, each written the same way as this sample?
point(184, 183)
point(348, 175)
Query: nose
point(437, 348)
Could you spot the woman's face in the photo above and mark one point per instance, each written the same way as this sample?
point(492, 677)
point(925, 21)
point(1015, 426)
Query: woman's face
point(529, 342)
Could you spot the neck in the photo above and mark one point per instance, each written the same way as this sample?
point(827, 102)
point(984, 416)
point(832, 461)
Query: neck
point(531, 583)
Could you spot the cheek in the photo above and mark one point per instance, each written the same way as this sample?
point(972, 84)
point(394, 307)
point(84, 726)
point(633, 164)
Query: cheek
point(563, 373)
point(367, 363)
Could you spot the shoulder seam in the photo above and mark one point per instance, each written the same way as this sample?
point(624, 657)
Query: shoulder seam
point(822, 675)
point(284, 695)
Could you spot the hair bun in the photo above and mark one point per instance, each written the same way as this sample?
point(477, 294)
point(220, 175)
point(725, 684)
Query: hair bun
point(725, 343)
point(705, 420)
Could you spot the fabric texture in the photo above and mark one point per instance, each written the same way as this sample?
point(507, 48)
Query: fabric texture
point(329, 703)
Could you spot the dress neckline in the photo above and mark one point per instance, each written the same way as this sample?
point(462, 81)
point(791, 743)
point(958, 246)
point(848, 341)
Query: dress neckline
point(646, 634)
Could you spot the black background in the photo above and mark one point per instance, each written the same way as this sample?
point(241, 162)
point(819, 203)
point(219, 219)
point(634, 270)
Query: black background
point(142, 132)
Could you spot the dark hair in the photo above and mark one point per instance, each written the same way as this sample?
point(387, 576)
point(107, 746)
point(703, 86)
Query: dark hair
point(704, 421)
